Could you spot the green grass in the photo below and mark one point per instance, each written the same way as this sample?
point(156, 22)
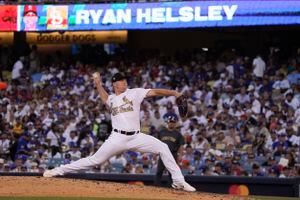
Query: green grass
point(274, 198)
point(66, 198)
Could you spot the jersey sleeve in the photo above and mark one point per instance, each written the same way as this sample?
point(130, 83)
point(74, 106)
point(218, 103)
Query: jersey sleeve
point(140, 94)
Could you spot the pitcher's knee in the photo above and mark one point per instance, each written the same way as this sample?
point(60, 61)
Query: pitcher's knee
point(94, 161)
point(163, 147)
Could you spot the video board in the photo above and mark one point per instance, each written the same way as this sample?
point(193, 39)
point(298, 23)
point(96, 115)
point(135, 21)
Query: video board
point(162, 15)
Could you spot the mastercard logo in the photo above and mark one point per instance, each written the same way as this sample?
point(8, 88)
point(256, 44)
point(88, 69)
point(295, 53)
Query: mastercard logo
point(241, 190)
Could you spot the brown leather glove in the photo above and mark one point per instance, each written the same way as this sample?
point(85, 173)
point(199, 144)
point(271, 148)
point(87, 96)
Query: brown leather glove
point(182, 104)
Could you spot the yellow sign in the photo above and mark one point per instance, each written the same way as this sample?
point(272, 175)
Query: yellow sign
point(77, 37)
point(6, 37)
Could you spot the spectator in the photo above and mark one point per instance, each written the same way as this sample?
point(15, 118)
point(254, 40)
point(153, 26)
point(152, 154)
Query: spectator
point(23, 145)
point(259, 66)
point(128, 169)
point(1, 165)
point(174, 139)
point(74, 152)
point(281, 83)
point(217, 170)
point(256, 171)
point(285, 173)
point(249, 162)
point(228, 115)
point(118, 159)
point(281, 142)
point(17, 68)
point(291, 101)
point(156, 120)
point(71, 139)
point(139, 170)
point(236, 169)
point(4, 145)
point(54, 140)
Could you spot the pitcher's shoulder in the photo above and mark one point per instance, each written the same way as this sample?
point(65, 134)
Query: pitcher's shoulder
point(132, 90)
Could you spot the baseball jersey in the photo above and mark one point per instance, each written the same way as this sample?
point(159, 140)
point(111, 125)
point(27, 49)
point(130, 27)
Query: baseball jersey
point(172, 138)
point(125, 109)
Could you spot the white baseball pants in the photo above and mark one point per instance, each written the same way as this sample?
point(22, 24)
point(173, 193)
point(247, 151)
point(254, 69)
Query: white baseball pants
point(118, 143)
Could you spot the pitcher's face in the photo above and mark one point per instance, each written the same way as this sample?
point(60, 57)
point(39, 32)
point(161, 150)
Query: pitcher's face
point(120, 86)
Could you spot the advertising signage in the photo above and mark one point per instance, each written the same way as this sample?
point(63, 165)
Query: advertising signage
point(6, 38)
point(8, 18)
point(76, 37)
point(161, 15)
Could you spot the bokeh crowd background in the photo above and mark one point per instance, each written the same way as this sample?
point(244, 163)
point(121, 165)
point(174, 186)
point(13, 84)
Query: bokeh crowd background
point(244, 104)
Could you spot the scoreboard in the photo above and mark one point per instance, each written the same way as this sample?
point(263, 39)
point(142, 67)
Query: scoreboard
point(161, 15)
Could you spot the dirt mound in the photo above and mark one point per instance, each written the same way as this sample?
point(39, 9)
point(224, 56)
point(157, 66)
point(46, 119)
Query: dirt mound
point(39, 186)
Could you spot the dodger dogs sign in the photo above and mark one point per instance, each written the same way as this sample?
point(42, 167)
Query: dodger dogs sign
point(78, 37)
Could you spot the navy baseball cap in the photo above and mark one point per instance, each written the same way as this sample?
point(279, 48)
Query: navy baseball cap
point(118, 77)
point(171, 118)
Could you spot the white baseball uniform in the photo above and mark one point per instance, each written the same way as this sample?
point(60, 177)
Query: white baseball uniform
point(125, 116)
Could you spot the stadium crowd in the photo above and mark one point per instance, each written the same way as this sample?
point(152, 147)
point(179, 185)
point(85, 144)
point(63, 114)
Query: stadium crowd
point(244, 113)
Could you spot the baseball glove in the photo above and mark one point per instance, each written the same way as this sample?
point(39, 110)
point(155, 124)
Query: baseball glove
point(182, 105)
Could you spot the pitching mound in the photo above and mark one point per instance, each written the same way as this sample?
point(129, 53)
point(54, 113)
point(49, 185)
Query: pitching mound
point(39, 186)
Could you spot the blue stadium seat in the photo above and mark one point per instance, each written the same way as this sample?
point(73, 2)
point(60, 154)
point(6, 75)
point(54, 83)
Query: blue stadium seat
point(55, 162)
point(277, 158)
point(117, 167)
point(198, 172)
point(260, 159)
point(185, 171)
point(153, 170)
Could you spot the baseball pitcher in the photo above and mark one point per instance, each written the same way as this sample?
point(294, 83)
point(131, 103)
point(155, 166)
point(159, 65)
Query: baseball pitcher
point(124, 106)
